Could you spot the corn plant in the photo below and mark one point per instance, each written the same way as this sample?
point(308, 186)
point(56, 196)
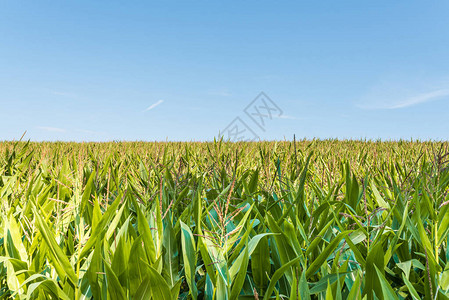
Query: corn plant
point(314, 219)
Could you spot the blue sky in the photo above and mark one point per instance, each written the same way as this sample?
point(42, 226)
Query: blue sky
point(147, 70)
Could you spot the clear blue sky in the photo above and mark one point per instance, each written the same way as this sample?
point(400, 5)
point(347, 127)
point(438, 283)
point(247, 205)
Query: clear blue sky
point(183, 70)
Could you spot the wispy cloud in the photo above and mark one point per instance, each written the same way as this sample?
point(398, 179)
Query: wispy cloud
point(420, 98)
point(51, 129)
point(404, 91)
point(154, 105)
point(90, 132)
point(286, 117)
point(220, 93)
point(64, 94)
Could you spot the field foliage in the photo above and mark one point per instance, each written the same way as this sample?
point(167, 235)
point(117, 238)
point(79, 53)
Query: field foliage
point(269, 220)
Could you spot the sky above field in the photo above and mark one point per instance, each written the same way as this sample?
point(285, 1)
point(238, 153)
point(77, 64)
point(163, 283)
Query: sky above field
point(189, 70)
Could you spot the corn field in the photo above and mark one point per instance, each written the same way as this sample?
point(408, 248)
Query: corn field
point(322, 219)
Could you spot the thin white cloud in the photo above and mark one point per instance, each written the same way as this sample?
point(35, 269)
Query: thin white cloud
point(154, 105)
point(91, 132)
point(64, 94)
point(286, 117)
point(404, 91)
point(421, 98)
point(220, 93)
point(51, 129)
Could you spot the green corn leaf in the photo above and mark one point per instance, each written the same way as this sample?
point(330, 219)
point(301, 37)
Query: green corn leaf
point(277, 275)
point(115, 290)
point(324, 255)
point(189, 258)
point(154, 286)
point(60, 261)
